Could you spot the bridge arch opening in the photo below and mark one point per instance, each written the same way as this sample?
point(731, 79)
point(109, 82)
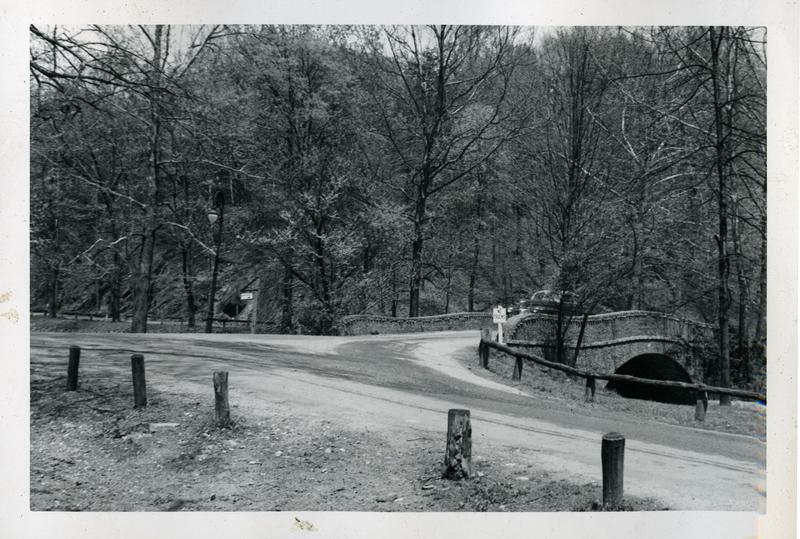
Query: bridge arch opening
point(654, 367)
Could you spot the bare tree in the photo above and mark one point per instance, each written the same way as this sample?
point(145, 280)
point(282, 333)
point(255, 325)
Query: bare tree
point(144, 67)
point(442, 95)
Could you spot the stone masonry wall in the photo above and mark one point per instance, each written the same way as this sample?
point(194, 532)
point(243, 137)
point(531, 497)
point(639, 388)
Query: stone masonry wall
point(363, 324)
point(612, 339)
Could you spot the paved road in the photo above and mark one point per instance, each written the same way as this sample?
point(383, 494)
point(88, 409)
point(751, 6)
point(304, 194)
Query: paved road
point(408, 382)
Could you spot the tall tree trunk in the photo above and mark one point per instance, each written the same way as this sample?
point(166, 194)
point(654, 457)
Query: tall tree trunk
point(115, 277)
point(473, 274)
point(395, 298)
point(325, 279)
point(188, 287)
point(144, 268)
point(187, 260)
point(476, 246)
point(115, 290)
point(219, 203)
point(509, 299)
point(141, 284)
point(504, 277)
point(494, 261)
point(761, 322)
point(98, 296)
point(449, 282)
point(381, 300)
point(416, 275)
point(518, 232)
point(635, 297)
point(723, 262)
point(52, 290)
point(416, 256)
point(742, 339)
point(287, 297)
point(561, 333)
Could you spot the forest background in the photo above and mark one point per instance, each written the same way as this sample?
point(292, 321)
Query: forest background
point(402, 171)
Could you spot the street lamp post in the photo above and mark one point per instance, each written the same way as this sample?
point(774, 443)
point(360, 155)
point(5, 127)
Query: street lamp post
point(215, 215)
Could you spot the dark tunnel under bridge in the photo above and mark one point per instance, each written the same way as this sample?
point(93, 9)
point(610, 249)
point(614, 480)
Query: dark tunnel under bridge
point(654, 367)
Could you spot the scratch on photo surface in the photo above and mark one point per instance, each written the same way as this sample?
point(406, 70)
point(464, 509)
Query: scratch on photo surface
point(304, 525)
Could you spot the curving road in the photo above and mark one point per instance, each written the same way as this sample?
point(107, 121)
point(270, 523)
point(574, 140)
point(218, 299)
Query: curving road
point(408, 382)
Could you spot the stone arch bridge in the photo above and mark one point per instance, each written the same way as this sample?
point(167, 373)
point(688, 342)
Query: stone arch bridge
point(652, 344)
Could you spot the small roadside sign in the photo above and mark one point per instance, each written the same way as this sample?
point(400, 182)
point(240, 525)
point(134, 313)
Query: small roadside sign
point(246, 295)
point(499, 318)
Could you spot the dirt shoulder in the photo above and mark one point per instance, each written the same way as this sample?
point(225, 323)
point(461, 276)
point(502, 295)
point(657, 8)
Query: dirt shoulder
point(92, 451)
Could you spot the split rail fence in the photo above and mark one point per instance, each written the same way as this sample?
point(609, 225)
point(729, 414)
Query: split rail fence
point(701, 390)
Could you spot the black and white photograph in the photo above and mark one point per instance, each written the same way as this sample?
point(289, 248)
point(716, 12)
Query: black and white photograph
point(450, 269)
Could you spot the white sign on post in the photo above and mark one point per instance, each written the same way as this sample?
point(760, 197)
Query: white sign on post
point(499, 317)
point(246, 295)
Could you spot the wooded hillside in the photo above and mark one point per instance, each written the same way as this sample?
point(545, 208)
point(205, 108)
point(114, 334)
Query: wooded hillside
point(402, 171)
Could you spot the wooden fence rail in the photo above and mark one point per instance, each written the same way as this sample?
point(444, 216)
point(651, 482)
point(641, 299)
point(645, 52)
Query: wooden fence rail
point(604, 344)
point(740, 393)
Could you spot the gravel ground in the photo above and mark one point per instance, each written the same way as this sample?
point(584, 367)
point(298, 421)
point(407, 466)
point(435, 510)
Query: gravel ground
point(91, 451)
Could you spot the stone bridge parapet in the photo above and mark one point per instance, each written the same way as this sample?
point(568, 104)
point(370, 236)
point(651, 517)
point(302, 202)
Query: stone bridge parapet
point(611, 339)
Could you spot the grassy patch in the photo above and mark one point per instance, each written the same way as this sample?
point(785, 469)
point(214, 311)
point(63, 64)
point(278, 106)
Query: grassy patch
point(557, 389)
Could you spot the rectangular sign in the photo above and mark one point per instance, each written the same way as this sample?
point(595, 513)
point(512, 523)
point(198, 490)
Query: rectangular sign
point(246, 295)
point(499, 315)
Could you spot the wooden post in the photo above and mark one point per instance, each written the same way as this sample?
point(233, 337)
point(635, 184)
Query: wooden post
point(458, 456)
point(222, 411)
point(255, 309)
point(699, 410)
point(486, 336)
point(591, 386)
point(517, 375)
point(72, 367)
point(612, 454)
point(139, 387)
point(701, 406)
